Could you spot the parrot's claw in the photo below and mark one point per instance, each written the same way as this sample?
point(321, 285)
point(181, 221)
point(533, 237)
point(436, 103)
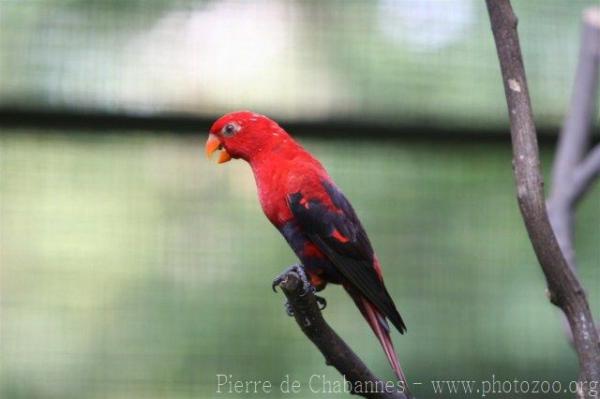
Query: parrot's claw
point(322, 302)
point(299, 270)
point(276, 283)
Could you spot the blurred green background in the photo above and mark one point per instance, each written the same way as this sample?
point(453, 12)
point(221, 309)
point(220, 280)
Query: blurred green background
point(133, 268)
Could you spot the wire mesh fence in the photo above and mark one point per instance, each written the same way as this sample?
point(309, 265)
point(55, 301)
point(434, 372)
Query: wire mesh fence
point(131, 268)
point(407, 62)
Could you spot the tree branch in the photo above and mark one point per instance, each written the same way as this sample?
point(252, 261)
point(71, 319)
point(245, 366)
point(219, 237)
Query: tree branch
point(564, 288)
point(572, 175)
point(337, 353)
point(575, 135)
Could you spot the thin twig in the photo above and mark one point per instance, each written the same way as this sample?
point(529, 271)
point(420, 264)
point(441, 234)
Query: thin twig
point(564, 288)
point(361, 381)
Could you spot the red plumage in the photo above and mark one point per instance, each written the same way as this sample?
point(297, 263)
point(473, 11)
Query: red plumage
point(304, 204)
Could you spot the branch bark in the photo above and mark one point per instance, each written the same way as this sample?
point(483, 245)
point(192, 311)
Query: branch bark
point(337, 353)
point(564, 288)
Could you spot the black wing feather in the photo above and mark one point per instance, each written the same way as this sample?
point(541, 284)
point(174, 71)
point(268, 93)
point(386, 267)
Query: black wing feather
point(354, 258)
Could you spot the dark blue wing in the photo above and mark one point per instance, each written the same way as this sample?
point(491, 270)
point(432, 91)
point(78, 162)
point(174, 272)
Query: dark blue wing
point(341, 237)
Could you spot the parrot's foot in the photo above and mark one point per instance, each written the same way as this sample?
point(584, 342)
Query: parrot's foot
point(307, 287)
point(322, 302)
point(299, 270)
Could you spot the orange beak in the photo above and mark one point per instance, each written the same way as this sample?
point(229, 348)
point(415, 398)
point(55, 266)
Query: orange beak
point(213, 144)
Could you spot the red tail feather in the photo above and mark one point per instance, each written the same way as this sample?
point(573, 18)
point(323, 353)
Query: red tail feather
point(381, 329)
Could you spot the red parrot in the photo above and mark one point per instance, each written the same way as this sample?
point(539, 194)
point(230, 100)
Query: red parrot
point(304, 204)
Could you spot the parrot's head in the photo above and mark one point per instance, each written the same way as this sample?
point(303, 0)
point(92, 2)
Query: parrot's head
point(242, 134)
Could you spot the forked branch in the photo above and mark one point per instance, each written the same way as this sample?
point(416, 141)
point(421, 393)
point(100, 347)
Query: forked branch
point(564, 288)
point(575, 169)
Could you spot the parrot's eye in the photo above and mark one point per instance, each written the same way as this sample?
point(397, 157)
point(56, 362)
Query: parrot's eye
point(230, 129)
